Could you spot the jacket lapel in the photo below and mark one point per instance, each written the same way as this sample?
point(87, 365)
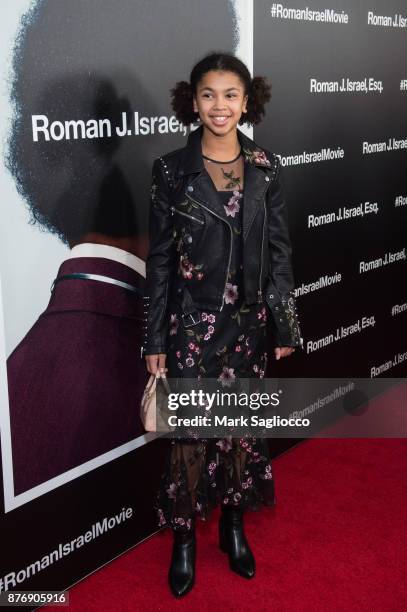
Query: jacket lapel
point(199, 187)
point(205, 192)
point(202, 189)
point(255, 187)
point(257, 179)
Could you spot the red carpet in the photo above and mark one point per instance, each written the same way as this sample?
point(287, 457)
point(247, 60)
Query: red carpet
point(336, 540)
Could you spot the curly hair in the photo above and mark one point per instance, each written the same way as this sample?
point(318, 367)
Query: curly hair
point(257, 88)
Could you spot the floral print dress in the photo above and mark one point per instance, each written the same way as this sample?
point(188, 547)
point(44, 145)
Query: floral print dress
point(201, 473)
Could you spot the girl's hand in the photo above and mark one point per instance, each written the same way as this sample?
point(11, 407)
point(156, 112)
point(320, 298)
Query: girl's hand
point(156, 362)
point(283, 351)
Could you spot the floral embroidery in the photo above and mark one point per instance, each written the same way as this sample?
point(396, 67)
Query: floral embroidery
point(185, 267)
point(188, 269)
point(211, 318)
point(268, 475)
point(233, 181)
point(246, 488)
point(161, 518)
point(231, 293)
point(257, 156)
point(225, 444)
point(244, 444)
point(238, 315)
point(248, 482)
point(260, 158)
point(262, 315)
point(291, 314)
point(211, 468)
point(227, 376)
point(172, 490)
point(233, 206)
point(189, 205)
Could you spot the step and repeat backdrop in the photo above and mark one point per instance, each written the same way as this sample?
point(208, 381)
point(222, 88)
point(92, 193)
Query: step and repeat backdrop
point(86, 108)
point(338, 120)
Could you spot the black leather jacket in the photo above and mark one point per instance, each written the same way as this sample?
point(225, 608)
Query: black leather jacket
point(190, 242)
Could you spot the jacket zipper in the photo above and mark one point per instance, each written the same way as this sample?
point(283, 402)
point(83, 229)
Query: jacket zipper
point(259, 292)
point(231, 242)
point(180, 212)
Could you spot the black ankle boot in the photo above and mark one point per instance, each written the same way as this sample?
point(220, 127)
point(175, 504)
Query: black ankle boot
point(181, 575)
point(233, 541)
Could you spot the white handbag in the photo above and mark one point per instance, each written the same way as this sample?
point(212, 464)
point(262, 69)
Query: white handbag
point(151, 416)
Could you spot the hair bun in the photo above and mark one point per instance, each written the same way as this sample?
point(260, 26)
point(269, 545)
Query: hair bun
point(260, 87)
point(259, 94)
point(183, 88)
point(182, 96)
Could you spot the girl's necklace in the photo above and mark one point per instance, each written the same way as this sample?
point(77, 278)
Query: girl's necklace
point(216, 161)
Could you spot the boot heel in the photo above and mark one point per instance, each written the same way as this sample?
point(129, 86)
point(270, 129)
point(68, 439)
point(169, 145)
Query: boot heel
point(232, 540)
point(181, 574)
point(222, 538)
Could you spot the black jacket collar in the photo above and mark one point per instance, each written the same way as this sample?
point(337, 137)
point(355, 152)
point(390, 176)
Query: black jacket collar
point(193, 162)
point(257, 173)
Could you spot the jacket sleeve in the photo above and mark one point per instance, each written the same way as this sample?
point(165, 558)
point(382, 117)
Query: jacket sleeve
point(160, 262)
point(280, 295)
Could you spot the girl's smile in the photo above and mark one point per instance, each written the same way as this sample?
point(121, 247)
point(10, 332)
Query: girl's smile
point(220, 119)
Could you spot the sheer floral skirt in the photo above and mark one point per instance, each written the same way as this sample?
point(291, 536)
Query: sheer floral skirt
point(202, 473)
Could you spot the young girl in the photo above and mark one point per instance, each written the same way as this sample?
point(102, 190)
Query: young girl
point(218, 275)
